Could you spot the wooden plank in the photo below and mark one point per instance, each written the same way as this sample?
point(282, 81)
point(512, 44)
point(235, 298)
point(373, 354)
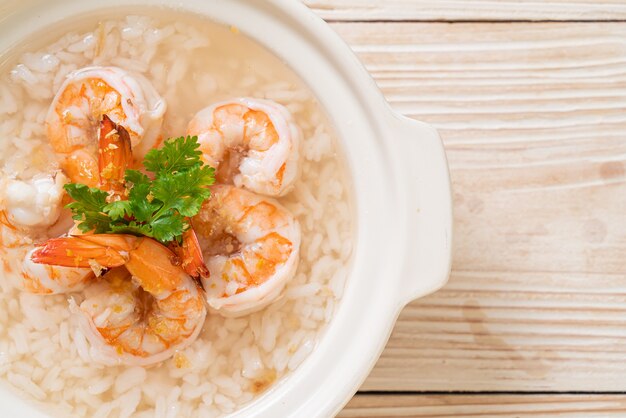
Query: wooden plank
point(462, 10)
point(533, 117)
point(485, 406)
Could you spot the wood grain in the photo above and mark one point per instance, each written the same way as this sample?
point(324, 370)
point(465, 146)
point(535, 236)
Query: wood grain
point(485, 406)
point(533, 117)
point(463, 10)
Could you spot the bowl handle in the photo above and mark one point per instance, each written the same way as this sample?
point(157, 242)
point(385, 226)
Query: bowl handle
point(427, 194)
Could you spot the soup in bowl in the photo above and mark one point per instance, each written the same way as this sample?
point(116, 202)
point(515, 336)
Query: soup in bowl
point(195, 222)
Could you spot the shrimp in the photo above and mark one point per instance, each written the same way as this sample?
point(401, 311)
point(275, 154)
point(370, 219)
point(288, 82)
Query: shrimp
point(134, 322)
point(114, 152)
point(37, 204)
point(110, 162)
point(190, 255)
point(45, 280)
point(251, 143)
point(34, 203)
point(76, 111)
point(251, 246)
point(29, 208)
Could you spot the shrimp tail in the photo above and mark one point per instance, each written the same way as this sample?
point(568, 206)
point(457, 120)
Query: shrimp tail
point(191, 257)
point(114, 155)
point(106, 250)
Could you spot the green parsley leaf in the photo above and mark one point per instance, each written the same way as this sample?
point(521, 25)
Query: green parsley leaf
point(135, 178)
point(176, 155)
point(132, 228)
point(93, 221)
point(184, 191)
point(142, 204)
point(89, 199)
point(118, 210)
point(168, 227)
point(156, 208)
point(88, 207)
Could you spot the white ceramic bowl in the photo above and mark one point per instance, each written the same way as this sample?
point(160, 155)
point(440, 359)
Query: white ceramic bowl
point(404, 218)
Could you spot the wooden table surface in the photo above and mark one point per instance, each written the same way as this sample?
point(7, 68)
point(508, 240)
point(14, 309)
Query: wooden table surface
point(530, 100)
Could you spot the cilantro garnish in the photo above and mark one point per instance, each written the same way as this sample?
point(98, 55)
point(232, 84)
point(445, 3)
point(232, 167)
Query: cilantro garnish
point(157, 208)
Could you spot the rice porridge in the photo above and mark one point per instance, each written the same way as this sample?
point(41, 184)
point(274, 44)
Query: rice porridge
point(191, 63)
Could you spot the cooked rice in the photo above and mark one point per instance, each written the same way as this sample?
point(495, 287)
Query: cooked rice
point(233, 360)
